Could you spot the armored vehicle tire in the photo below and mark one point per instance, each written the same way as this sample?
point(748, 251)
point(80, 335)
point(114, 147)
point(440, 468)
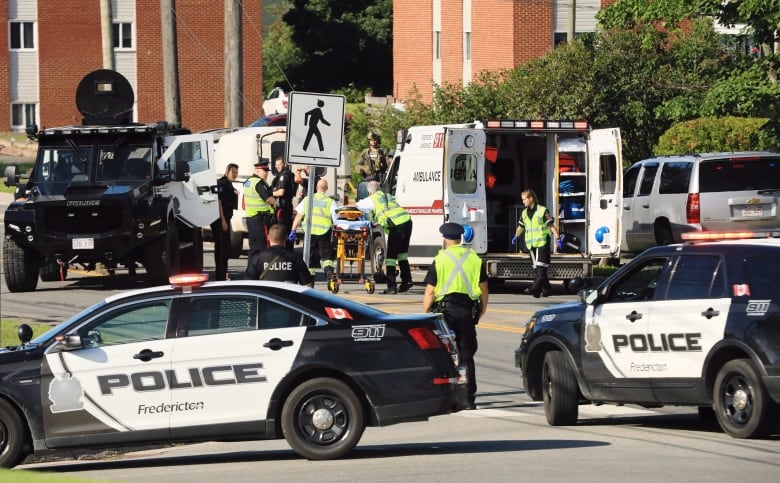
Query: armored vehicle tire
point(322, 419)
point(161, 257)
point(21, 267)
point(236, 244)
point(742, 405)
point(192, 256)
point(51, 272)
point(559, 390)
point(13, 442)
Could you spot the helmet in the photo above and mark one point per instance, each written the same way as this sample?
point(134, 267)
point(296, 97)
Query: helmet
point(373, 135)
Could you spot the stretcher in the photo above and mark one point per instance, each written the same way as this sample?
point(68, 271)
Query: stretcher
point(352, 233)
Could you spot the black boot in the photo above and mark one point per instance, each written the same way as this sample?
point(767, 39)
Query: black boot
point(391, 287)
point(536, 288)
point(406, 276)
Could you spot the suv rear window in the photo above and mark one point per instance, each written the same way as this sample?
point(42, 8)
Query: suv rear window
point(739, 175)
point(675, 177)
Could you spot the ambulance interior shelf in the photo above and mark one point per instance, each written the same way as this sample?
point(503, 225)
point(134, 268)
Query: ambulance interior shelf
point(572, 188)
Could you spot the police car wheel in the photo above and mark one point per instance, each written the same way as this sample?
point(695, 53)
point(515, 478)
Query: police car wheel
point(742, 406)
point(322, 419)
point(13, 442)
point(559, 390)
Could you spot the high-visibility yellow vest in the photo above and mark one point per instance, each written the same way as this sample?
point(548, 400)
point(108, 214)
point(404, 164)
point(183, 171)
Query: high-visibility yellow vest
point(386, 208)
point(321, 220)
point(457, 271)
point(536, 228)
point(253, 203)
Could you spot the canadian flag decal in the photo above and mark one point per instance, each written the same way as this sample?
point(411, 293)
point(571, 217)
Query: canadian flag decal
point(335, 313)
point(741, 289)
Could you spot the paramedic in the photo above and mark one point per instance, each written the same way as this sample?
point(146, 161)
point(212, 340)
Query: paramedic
point(456, 286)
point(397, 222)
point(323, 214)
point(538, 225)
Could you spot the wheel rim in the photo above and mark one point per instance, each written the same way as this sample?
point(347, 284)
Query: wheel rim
point(737, 399)
point(323, 419)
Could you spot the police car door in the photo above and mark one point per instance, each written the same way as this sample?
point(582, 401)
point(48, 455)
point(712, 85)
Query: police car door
point(464, 182)
point(605, 184)
point(615, 348)
point(193, 154)
point(114, 387)
point(227, 367)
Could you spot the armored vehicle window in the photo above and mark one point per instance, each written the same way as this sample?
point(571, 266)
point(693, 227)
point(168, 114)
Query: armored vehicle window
point(463, 173)
point(675, 177)
point(214, 315)
point(134, 323)
point(696, 277)
point(60, 165)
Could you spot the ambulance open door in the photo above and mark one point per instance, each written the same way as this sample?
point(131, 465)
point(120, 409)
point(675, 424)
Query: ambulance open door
point(464, 183)
point(605, 195)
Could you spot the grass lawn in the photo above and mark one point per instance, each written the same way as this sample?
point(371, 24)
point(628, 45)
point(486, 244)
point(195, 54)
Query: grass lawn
point(8, 333)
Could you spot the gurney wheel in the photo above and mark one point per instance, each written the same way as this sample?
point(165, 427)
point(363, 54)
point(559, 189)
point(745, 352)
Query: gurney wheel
point(370, 286)
point(333, 285)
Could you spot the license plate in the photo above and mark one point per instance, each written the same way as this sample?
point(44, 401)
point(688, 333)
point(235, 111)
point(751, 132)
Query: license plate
point(752, 211)
point(83, 244)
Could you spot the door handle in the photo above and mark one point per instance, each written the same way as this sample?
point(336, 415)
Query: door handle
point(710, 313)
point(147, 355)
point(634, 316)
point(276, 343)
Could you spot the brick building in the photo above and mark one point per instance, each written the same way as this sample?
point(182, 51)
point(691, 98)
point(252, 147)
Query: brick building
point(51, 45)
point(438, 42)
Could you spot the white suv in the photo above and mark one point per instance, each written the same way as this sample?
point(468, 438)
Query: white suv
point(667, 196)
point(275, 102)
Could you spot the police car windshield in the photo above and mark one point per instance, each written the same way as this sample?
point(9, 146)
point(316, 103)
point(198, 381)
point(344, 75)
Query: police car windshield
point(46, 336)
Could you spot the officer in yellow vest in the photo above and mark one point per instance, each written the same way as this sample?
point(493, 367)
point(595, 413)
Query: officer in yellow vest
point(397, 223)
point(456, 286)
point(322, 216)
point(538, 225)
point(259, 204)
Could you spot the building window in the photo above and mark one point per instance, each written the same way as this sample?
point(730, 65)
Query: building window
point(123, 35)
point(437, 45)
point(466, 45)
point(22, 35)
point(22, 115)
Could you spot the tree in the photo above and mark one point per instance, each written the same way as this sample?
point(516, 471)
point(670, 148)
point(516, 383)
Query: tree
point(279, 52)
point(341, 39)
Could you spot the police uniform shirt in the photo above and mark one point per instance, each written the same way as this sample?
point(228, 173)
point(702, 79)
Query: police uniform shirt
point(284, 180)
point(228, 197)
point(280, 265)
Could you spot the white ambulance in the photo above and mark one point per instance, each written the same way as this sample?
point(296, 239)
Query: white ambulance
point(474, 173)
point(245, 147)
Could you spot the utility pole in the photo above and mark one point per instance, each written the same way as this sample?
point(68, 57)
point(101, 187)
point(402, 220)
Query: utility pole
point(234, 114)
point(106, 33)
point(170, 62)
point(572, 21)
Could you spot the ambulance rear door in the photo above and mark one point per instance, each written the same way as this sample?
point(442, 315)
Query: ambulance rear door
point(605, 184)
point(464, 183)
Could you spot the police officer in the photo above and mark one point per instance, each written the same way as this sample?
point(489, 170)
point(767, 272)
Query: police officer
point(283, 188)
point(397, 223)
point(279, 264)
point(220, 229)
point(538, 225)
point(456, 286)
point(322, 216)
point(259, 203)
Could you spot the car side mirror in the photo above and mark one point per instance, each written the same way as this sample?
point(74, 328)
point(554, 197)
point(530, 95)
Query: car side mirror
point(69, 342)
point(589, 297)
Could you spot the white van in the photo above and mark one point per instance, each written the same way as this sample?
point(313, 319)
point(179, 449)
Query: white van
point(666, 196)
point(245, 147)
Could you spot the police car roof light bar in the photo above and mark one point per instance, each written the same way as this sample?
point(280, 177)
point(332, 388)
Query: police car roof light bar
point(188, 279)
point(731, 235)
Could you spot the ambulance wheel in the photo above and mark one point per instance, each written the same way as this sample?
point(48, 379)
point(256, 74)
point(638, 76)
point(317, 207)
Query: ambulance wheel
point(559, 390)
point(14, 445)
point(742, 405)
point(370, 286)
point(322, 419)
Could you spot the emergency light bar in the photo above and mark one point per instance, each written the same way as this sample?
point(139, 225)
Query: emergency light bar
point(538, 124)
point(728, 235)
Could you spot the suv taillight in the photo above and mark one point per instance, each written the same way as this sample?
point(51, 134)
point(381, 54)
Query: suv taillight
point(693, 209)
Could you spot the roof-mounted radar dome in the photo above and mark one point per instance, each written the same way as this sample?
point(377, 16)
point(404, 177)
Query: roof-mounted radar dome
point(105, 97)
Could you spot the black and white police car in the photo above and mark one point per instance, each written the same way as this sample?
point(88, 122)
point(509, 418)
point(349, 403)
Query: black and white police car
point(693, 324)
point(239, 360)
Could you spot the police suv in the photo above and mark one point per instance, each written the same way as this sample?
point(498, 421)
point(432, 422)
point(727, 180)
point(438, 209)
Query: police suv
point(694, 324)
point(239, 360)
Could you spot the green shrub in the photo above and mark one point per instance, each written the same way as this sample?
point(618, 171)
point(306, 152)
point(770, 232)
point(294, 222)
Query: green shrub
point(707, 135)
